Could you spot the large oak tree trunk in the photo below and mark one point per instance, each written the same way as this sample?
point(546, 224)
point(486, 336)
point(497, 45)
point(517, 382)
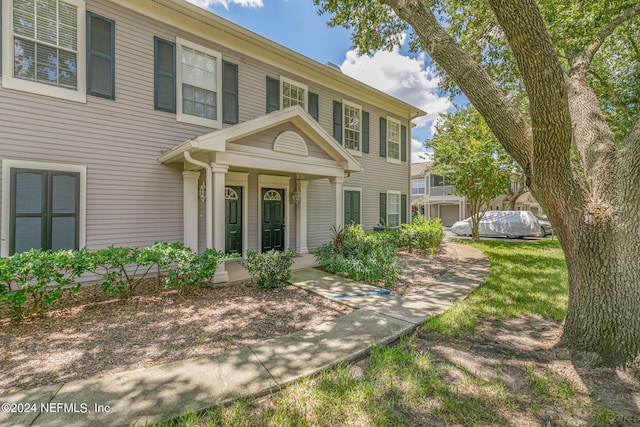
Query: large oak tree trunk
point(604, 272)
point(595, 212)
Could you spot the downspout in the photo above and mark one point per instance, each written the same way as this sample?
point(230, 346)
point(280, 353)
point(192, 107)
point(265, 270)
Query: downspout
point(209, 205)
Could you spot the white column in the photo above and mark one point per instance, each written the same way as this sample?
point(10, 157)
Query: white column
point(339, 200)
point(218, 173)
point(190, 209)
point(301, 213)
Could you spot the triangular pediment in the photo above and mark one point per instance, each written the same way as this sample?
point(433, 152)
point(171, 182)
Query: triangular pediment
point(288, 134)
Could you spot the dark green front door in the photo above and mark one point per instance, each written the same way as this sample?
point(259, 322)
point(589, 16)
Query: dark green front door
point(272, 219)
point(233, 220)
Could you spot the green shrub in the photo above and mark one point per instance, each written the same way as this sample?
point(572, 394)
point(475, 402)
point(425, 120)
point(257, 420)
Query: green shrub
point(32, 281)
point(123, 268)
point(423, 235)
point(269, 269)
point(360, 254)
point(186, 269)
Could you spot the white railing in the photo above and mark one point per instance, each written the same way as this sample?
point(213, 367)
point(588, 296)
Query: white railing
point(445, 190)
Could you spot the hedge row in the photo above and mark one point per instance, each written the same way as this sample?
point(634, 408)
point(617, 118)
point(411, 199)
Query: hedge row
point(32, 281)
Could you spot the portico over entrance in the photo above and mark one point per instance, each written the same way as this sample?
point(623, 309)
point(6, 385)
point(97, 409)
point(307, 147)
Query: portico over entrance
point(246, 187)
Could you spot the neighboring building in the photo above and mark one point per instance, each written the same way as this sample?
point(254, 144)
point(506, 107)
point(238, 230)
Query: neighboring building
point(432, 197)
point(128, 122)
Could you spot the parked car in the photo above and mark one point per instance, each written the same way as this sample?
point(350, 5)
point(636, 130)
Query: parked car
point(511, 224)
point(546, 226)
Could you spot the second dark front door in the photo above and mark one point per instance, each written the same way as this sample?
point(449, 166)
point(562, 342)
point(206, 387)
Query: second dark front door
point(272, 219)
point(233, 219)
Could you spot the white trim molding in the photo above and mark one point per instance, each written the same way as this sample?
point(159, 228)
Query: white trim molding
point(79, 94)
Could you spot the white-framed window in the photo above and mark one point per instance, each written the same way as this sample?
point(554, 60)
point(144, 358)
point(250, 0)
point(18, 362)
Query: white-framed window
point(292, 93)
point(352, 126)
point(199, 79)
point(43, 206)
point(417, 187)
point(393, 208)
point(44, 47)
point(393, 140)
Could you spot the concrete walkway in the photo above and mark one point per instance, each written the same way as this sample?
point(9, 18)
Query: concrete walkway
point(148, 395)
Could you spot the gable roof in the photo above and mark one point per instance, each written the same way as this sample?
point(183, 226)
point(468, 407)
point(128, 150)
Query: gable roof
point(222, 140)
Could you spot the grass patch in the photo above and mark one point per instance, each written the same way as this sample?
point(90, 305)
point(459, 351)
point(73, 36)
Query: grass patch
point(527, 279)
point(415, 383)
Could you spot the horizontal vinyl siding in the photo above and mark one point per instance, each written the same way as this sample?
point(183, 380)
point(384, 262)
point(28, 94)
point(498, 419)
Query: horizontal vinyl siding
point(320, 213)
point(132, 199)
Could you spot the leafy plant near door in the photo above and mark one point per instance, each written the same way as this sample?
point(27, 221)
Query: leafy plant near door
point(360, 255)
point(270, 269)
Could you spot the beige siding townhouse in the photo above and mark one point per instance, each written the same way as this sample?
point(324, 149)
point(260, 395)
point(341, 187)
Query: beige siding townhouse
point(128, 122)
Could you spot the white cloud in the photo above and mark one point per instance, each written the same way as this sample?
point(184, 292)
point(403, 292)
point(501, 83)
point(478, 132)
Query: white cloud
point(418, 152)
point(206, 4)
point(405, 78)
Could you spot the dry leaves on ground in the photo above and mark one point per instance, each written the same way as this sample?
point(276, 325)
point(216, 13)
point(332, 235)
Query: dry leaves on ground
point(91, 334)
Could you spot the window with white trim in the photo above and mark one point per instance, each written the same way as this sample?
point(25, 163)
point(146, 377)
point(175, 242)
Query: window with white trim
point(199, 77)
point(352, 126)
point(393, 208)
point(45, 47)
point(292, 93)
point(393, 140)
point(45, 206)
point(417, 187)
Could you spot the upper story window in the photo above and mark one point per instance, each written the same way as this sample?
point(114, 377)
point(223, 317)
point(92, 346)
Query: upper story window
point(199, 73)
point(44, 52)
point(393, 140)
point(195, 83)
point(352, 126)
point(417, 187)
point(284, 92)
point(293, 93)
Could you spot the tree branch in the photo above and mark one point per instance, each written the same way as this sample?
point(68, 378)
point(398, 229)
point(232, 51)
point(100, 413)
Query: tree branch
point(628, 177)
point(612, 93)
point(543, 77)
point(505, 121)
point(581, 62)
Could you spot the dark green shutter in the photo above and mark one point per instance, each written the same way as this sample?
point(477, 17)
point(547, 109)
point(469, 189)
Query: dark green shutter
point(365, 132)
point(229, 93)
point(273, 94)
point(164, 75)
point(100, 56)
point(403, 143)
point(313, 105)
point(337, 121)
point(383, 137)
point(403, 209)
point(383, 208)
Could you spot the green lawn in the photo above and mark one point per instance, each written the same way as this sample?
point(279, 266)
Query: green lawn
point(410, 384)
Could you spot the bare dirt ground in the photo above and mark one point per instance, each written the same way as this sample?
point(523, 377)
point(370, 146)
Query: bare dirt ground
point(83, 338)
point(514, 351)
point(90, 334)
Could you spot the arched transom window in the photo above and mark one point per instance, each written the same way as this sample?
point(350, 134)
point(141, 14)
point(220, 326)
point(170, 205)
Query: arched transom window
point(272, 195)
point(230, 194)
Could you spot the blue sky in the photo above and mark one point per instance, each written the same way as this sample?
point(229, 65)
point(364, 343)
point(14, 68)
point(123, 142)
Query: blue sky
point(297, 25)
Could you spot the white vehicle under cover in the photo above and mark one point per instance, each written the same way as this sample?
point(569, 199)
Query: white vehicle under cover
point(502, 224)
